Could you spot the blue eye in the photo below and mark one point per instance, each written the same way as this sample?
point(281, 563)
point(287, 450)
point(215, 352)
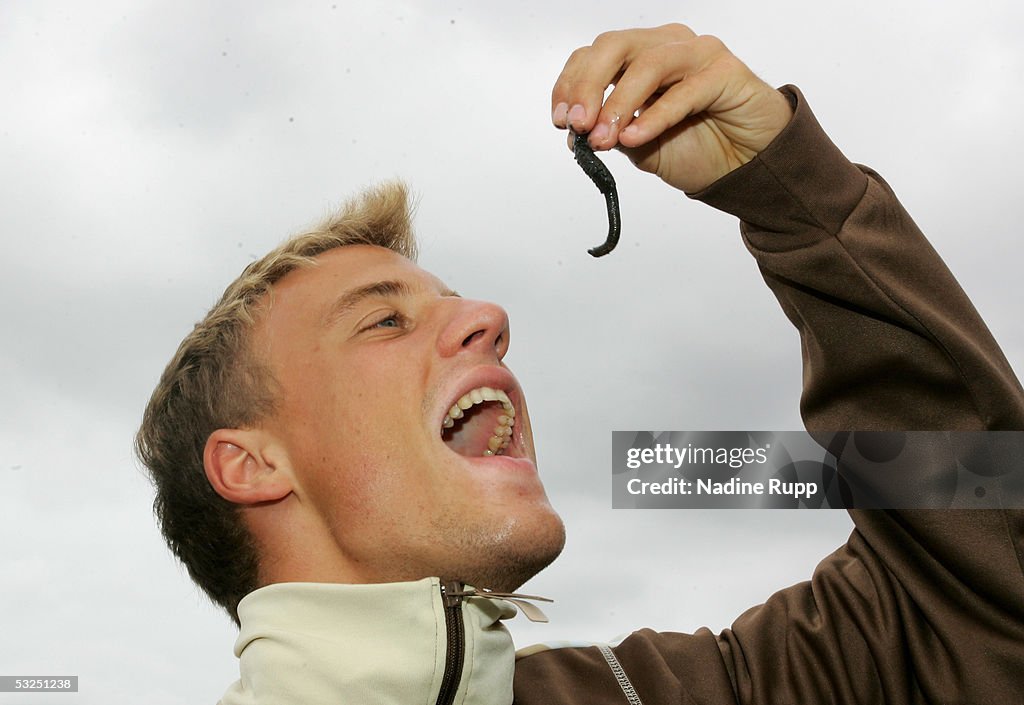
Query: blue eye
point(392, 319)
point(386, 320)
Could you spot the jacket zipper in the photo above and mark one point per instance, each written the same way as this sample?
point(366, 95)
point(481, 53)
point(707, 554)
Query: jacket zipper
point(451, 597)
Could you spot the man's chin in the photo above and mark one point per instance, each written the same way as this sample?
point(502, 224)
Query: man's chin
point(516, 562)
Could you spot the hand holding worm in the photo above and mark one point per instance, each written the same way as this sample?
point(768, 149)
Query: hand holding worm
point(683, 106)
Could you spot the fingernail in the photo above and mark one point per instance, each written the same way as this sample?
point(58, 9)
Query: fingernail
point(577, 116)
point(630, 132)
point(559, 114)
point(599, 134)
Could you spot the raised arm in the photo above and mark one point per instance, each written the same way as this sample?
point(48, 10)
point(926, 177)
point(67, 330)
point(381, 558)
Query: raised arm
point(883, 322)
point(918, 606)
point(923, 605)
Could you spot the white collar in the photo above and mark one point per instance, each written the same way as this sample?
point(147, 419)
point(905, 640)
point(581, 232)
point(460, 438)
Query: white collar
point(384, 644)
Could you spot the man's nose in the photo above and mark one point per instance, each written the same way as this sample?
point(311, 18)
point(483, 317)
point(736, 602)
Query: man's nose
point(475, 326)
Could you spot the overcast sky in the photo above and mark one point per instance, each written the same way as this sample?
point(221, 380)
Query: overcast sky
point(151, 150)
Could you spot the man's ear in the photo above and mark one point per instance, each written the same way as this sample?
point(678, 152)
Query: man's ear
point(245, 467)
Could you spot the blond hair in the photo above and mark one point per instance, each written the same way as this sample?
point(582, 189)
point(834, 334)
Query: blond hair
point(216, 381)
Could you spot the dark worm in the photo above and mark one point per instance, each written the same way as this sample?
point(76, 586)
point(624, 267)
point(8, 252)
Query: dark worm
point(602, 178)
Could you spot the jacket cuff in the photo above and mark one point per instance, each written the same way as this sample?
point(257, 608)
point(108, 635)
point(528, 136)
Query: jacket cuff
point(799, 180)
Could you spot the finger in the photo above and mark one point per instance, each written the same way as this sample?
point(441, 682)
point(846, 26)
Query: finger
point(661, 73)
point(577, 95)
point(674, 106)
point(579, 90)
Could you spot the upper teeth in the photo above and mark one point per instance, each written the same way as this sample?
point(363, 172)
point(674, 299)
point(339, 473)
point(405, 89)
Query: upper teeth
point(502, 435)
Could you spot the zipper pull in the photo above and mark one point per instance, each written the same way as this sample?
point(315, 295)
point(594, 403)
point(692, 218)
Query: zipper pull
point(452, 594)
point(530, 610)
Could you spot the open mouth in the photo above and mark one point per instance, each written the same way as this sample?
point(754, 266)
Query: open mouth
point(479, 423)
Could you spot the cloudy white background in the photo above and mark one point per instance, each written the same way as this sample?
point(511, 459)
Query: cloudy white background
point(149, 150)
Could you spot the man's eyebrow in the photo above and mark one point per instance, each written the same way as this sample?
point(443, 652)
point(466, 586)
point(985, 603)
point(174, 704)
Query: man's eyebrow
point(350, 299)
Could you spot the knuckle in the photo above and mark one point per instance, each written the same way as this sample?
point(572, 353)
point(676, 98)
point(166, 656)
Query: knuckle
point(711, 43)
point(677, 28)
point(607, 39)
point(578, 54)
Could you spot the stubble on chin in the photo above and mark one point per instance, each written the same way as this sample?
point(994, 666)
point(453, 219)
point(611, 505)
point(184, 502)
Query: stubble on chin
point(500, 557)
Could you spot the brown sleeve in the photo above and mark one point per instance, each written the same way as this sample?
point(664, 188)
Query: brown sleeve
point(889, 340)
point(919, 606)
point(918, 603)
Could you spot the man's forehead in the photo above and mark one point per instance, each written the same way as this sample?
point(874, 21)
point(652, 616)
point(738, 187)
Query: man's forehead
point(341, 277)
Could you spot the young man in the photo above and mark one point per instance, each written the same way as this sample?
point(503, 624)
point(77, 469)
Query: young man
point(340, 453)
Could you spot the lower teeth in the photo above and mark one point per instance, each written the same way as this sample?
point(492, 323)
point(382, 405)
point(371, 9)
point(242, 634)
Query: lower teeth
point(498, 442)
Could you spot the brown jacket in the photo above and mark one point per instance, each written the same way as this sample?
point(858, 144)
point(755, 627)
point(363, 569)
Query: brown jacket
point(922, 606)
